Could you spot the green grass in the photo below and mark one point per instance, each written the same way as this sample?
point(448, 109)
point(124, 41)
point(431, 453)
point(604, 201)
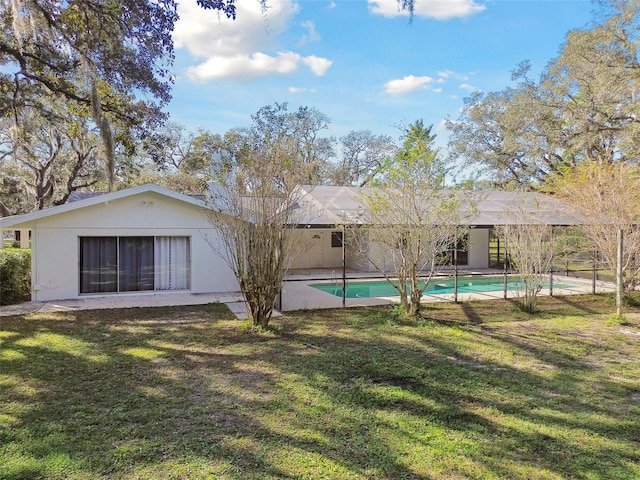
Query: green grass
point(476, 390)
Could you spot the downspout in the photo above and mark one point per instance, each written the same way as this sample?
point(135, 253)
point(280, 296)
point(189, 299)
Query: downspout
point(35, 289)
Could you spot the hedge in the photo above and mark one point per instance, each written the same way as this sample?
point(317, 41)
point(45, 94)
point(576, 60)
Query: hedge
point(15, 276)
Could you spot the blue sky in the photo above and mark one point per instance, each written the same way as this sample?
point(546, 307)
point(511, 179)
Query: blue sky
point(359, 62)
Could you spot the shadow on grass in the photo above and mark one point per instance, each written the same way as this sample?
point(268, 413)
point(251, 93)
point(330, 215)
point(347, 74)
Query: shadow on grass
point(183, 393)
point(192, 398)
point(455, 392)
point(574, 301)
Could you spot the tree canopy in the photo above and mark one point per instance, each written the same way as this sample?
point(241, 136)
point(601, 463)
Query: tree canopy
point(113, 58)
point(585, 106)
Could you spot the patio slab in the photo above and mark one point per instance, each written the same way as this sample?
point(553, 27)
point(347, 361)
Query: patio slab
point(300, 295)
point(297, 294)
point(120, 301)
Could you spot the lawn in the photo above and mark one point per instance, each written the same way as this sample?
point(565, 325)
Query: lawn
point(478, 390)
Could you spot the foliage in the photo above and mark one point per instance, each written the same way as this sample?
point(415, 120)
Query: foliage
point(47, 153)
point(300, 129)
point(174, 149)
point(181, 392)
point(508, 133)
point(606, 196)
point(363, 156)
point(111, 58)
point(186, 183)
point(15, 276)
point(409, 220)
point(584, 107)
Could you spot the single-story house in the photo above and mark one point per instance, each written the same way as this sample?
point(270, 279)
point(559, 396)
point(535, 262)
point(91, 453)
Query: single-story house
point(151, 239)
point(145, 238)
point(329, 207)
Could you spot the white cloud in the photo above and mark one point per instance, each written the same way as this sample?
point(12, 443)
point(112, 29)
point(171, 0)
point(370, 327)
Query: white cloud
point(466, 86)
point(446, 74)
point(295, 90)
point(318, 65)
point(312, 35)
point(332, 5)
point(407, 84)
point(258, 64)
point(438, 9)
point(243, 48)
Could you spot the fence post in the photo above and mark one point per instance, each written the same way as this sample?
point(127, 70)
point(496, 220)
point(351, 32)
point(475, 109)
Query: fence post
point(551, 269)
point(505, 274)
point(594, 273)
point(344, 266)
point(455, 268)
point(619, 272)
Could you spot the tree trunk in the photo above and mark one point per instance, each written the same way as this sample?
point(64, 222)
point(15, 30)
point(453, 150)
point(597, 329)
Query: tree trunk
point(416, 298)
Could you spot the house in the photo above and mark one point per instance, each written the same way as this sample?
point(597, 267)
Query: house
point(329, 207)
point(151, 239)
point(142, 239)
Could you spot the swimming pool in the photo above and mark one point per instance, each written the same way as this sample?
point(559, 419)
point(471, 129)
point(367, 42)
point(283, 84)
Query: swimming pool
point(436, 286)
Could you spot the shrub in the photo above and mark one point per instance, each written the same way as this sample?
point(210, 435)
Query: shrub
point(15, 276)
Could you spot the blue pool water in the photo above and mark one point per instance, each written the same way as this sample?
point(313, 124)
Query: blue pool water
point(435, 287)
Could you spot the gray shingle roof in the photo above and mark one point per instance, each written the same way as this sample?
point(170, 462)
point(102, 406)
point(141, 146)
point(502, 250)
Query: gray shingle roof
point(329, 205)
point(76, 196)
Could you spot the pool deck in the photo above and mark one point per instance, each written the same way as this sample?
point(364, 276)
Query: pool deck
point(297, 294)
point(300, 295)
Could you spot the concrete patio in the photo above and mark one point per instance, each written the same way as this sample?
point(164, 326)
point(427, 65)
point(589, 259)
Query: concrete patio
point(297, 294)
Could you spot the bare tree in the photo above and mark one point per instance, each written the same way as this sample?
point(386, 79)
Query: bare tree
point(530, 248)
point(405, 235)
point(254, 209)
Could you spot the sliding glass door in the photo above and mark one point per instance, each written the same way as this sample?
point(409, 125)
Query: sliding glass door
point(135, 264)
point(132, 264)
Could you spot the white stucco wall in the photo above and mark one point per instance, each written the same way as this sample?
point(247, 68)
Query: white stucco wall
point(55, 242)
point(478, 256)
point(316, 252)
point(479, 248)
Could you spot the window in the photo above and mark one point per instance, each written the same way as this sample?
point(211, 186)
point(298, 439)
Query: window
point(497, 251)
point(462, 254)
point(135, 264)
point(132, 264)
point(461, 251)
point(402, 242)
point(336, 239)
